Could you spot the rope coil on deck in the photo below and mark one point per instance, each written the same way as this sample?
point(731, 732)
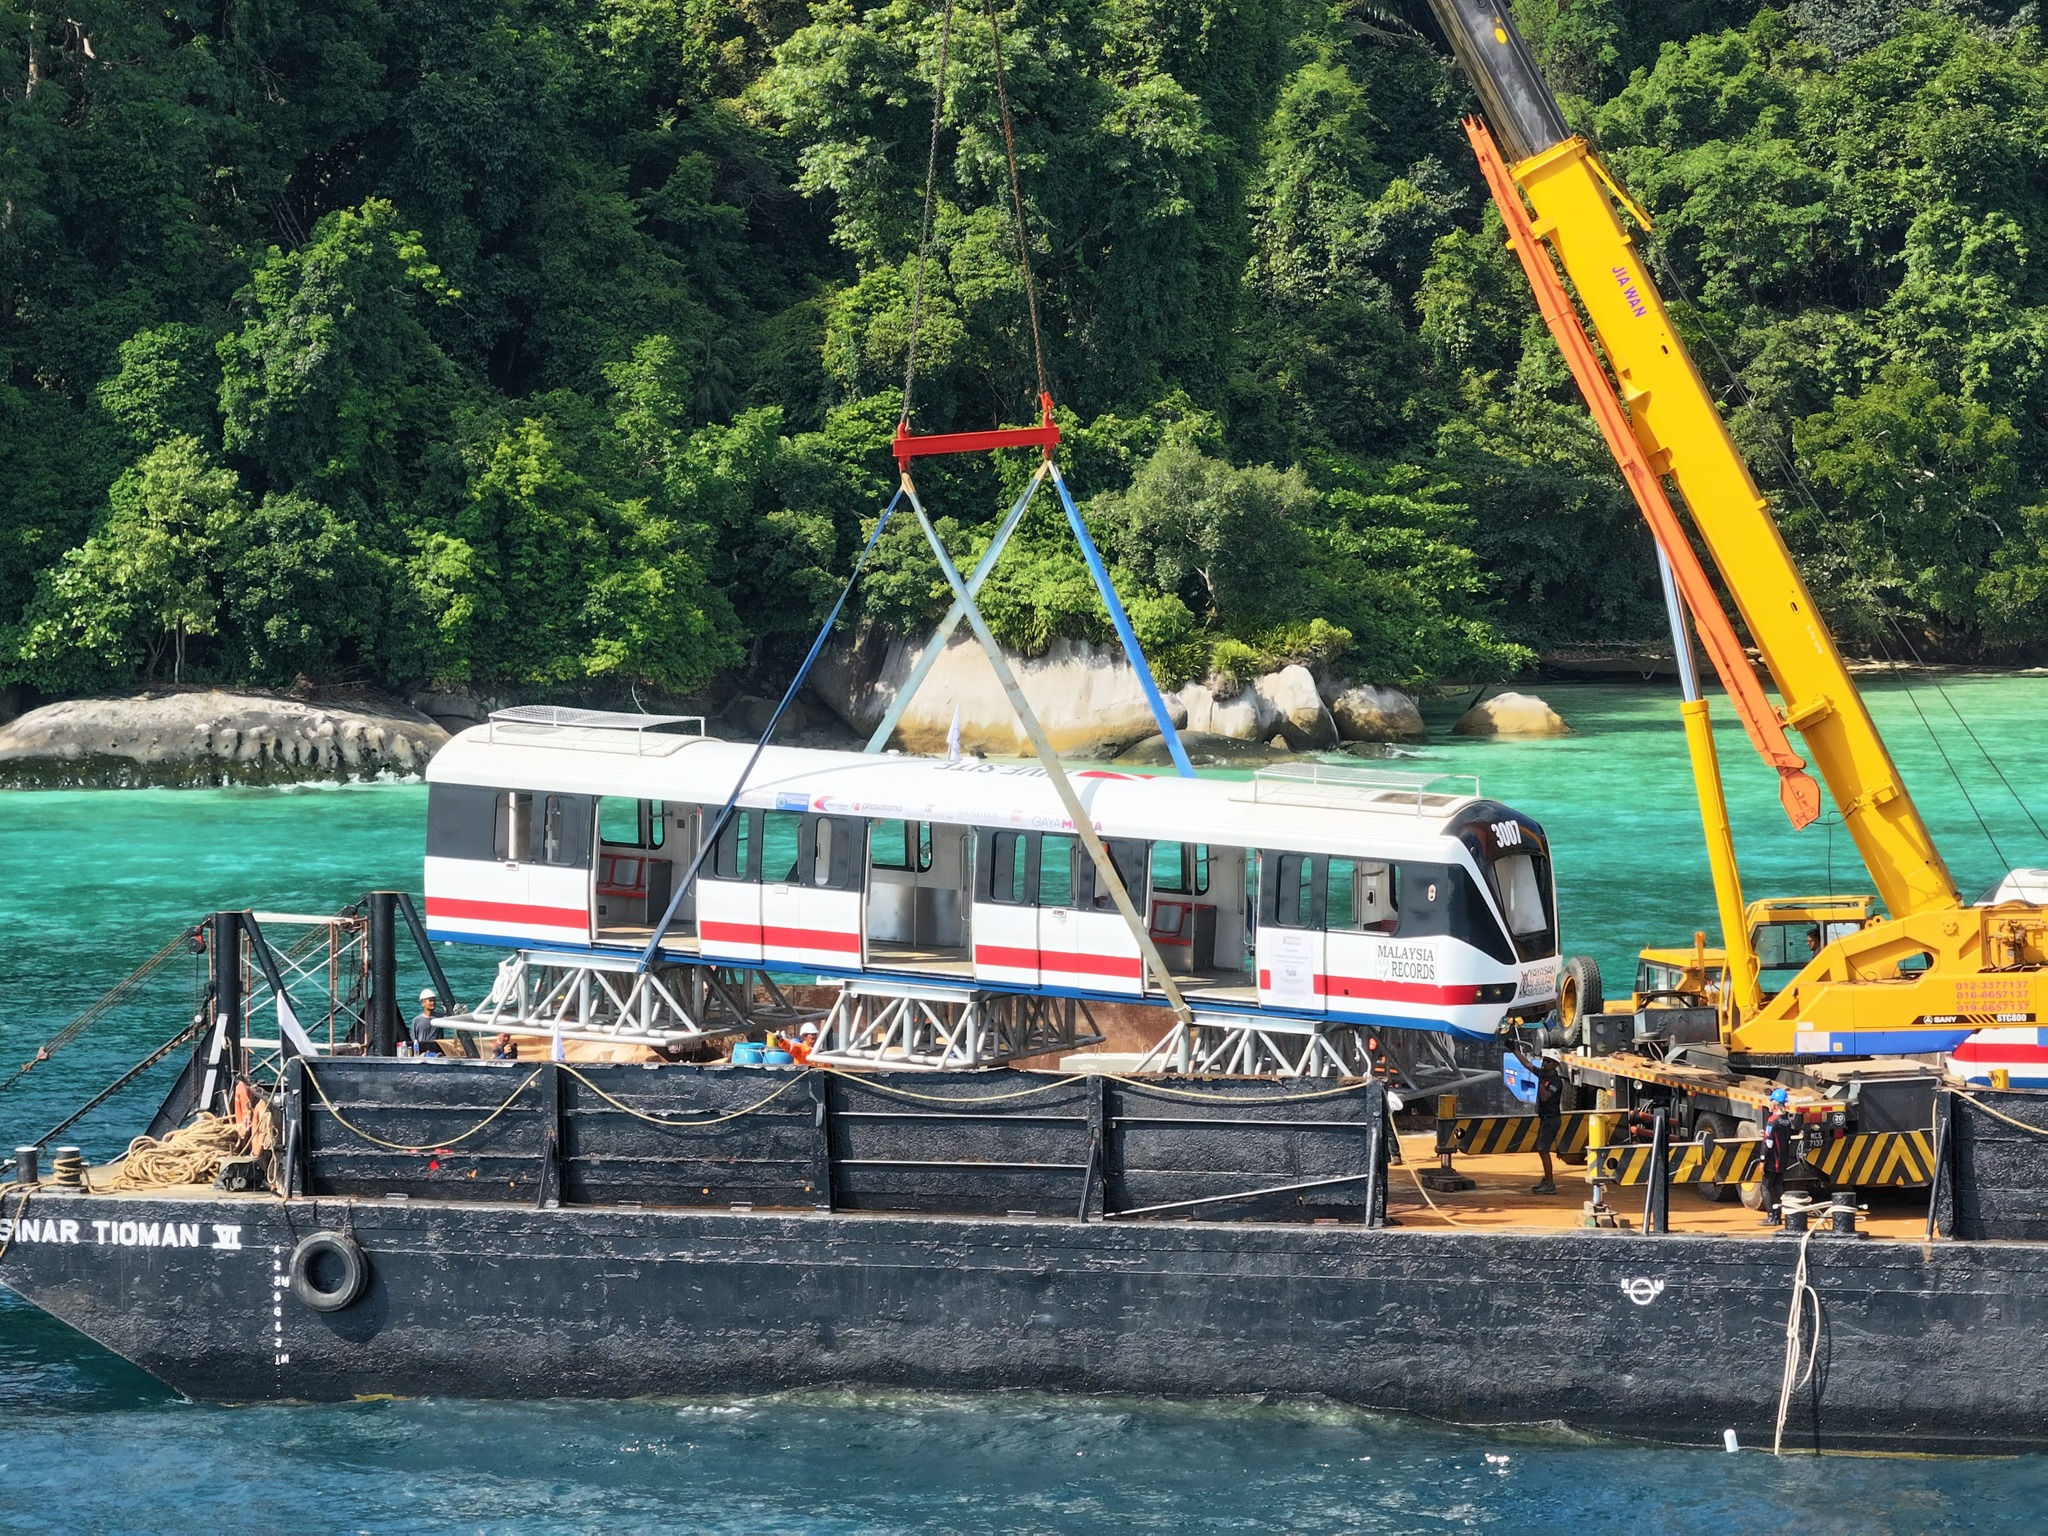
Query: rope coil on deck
point(192, 1154)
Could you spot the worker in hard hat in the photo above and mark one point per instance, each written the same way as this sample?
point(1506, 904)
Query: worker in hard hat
point(1781, 1148)
point(425, 1032)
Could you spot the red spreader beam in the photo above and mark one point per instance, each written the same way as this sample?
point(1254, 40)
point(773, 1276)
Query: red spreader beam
point(1045, 435)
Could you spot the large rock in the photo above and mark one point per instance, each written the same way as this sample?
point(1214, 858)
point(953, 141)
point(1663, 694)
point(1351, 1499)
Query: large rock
point(1087, 697)
point(1299, 714)
point(212, 736)
point(1204, 750)
point(1364, 712)
point(1511, 714)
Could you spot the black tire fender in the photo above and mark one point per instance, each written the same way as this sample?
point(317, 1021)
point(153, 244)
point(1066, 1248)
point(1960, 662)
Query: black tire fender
point(329, 1250)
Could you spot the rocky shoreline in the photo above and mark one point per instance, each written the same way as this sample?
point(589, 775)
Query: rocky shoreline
point(1088, 697)
point(207, 738)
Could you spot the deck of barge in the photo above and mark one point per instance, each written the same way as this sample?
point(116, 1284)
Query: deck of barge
point(1501, 1202)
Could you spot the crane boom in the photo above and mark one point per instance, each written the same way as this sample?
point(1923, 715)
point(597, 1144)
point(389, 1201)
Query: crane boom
point(1673, 419)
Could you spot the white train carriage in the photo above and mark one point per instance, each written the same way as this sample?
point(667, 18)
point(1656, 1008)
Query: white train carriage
point(1344, 894)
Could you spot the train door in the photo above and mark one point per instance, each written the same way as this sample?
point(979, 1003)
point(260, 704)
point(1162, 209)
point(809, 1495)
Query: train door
point(1106, 953)
point(1059, 925)
point(831, 859)
point(779, 854)
point(635, 867)
point(1005, 920)
point(729, 892)
point(1291, 942)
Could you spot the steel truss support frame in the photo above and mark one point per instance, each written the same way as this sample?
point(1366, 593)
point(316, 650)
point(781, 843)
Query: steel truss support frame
point(936, 1029)
point(1250, 1048)
point(607, 998)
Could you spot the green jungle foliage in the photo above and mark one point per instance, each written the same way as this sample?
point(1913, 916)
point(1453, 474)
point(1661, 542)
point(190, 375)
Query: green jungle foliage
point(551, 347)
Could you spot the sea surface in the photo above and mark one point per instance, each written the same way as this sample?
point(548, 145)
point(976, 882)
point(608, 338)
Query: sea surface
point(93, 882)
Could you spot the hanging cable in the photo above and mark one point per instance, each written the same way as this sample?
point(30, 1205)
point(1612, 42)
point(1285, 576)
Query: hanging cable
point(995, 33)
point(931, 179)
point(716, 827)
point(1797, 482)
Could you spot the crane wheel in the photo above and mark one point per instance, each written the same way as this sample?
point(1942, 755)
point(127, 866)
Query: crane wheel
point(1712, 1128)
point(1578, 993)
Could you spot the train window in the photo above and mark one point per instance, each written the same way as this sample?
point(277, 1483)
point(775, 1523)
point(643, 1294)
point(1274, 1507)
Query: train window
point(462, 822)
point(894, 847)
point(1056, 871)
point(1361, 897)
point(830, 852)
point(780, 831)
point(1180, 869)
point(618, 821)
point(1379, 898)
point(1008, 867)
point(1340, 903)
point(551, 830)
point(732, 858)
point(657, 823)
point(563, 830)
point(1521, 894)
point(513, 838)
point(1128, 854)
point(1292, 898)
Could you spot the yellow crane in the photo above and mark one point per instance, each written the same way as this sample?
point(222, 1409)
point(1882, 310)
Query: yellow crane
point(1929, 970)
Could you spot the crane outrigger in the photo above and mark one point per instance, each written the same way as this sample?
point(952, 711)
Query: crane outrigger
point(1863, 988)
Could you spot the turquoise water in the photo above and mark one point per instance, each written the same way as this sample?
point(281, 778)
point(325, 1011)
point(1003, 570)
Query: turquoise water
point(96, 881)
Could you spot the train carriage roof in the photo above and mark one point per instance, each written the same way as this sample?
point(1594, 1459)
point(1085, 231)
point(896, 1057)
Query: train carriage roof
point(1339, 809)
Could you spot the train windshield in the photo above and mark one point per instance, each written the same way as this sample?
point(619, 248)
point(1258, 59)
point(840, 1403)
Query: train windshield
point(1516, 858)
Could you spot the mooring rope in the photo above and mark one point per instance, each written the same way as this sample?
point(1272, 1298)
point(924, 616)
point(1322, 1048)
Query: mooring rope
point(14, 1226)
point(941, 1098)
point(1795, 1324)
point(431, 1146)
point(2018, 1125)
point(653, 1119)
point(1210, 1098)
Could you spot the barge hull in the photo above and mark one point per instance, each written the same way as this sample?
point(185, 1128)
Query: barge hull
point(1673, 1337)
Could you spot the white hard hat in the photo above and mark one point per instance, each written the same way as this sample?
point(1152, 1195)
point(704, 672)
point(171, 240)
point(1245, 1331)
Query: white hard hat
point(808, 1029)
point(429, 995)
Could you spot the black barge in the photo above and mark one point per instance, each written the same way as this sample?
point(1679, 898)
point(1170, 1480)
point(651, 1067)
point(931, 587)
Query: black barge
point(543, 1228)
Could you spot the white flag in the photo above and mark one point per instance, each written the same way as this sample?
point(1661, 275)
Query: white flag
point(953, 737)
point(556, 1051)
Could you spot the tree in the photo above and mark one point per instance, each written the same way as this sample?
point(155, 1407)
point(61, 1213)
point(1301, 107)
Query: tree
point(144, 581)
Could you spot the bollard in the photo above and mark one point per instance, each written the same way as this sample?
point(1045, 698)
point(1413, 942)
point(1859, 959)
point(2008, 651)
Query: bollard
point(1798, 1212)
point(26, 1170)
point(67, 1168)
point(1842, 1214)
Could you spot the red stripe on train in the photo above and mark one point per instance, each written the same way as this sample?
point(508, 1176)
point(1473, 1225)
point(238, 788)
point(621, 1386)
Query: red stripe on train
point(770, 937)
point(1009, 958)
point(1386, 991)
point(508, 912)
point(1995, 1050)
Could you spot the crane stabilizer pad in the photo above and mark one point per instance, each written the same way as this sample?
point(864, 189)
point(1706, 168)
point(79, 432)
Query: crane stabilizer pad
point(1727, 1161)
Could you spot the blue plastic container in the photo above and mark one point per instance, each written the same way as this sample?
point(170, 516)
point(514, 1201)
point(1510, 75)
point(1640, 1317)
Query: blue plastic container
point(747, 1054)
point(777, 1059)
